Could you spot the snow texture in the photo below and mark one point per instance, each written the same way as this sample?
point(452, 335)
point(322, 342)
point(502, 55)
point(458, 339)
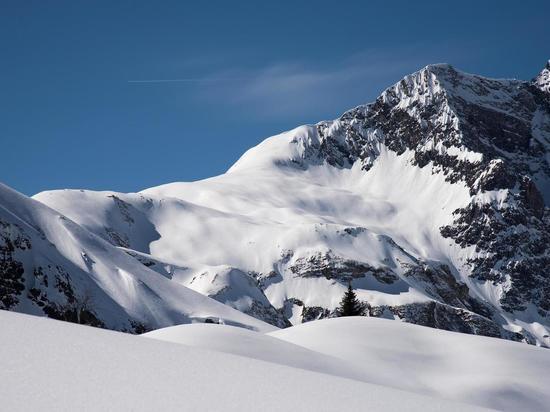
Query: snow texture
point(477, 370)
point(50, 366)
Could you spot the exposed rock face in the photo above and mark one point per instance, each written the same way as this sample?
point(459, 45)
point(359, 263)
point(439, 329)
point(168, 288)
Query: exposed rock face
point(12, 282)
point(225, 284)
point(241, 291)
point(306, 313)
point(438, 109)
point(48, 287)
point(440, 316)
point(331, 266)
point(542, 81)
point(440, 284)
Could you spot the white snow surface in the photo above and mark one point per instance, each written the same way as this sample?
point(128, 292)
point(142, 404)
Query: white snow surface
point(243, 342)
point(490, 372)
point(476, 370)
point(49, 365)
point(250, 217)
point(121, 289)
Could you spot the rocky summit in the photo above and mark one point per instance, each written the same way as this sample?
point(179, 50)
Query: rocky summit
point(432, 201)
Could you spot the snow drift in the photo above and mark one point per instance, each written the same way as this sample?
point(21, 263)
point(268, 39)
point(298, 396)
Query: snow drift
point(51, 365)
point(476, 370)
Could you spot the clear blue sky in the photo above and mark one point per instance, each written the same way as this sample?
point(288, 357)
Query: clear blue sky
point(73, 116)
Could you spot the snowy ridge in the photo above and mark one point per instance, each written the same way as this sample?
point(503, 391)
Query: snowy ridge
point(52, 266)
point(542, 81)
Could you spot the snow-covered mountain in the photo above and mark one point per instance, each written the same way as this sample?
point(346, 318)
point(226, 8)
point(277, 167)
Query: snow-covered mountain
point(542, 81)
point(432, 200)
point(52, 266)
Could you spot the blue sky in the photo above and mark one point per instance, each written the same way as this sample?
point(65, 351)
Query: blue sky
point(77, 109)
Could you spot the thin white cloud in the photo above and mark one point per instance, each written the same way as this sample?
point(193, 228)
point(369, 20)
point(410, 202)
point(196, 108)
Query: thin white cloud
point(302, 89)
point(289, 88)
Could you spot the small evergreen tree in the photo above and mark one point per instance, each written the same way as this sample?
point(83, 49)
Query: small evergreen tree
point(350, 305)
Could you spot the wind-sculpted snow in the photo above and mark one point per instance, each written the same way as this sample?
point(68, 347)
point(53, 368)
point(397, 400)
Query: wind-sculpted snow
point(57, 366)
point(432, 200)
point(483, 371)
point(250, 344)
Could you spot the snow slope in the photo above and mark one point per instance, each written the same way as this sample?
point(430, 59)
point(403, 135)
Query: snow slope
point(483, 371)
point(250, 344)
point(50, 365)
point(271, 220)
point(52, 266)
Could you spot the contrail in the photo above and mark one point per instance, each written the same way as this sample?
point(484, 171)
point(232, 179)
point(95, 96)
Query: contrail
point(184, 80)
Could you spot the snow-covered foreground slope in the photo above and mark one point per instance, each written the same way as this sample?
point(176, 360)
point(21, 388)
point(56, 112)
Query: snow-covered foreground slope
point(474, 369)
point(477, 370)
point(51, 365)
point(242, 342)
point(52, 266)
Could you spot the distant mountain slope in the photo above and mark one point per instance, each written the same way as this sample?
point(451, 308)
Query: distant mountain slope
point(51, 266)
point(432, 200)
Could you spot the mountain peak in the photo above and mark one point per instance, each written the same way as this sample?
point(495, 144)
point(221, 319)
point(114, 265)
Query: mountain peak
point(542, 81)
point(439, 67)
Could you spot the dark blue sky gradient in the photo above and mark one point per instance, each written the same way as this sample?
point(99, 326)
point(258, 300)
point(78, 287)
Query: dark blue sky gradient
point(72, 117)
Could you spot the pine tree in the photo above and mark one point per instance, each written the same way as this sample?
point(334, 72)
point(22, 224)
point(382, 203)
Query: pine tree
point(350, 305)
